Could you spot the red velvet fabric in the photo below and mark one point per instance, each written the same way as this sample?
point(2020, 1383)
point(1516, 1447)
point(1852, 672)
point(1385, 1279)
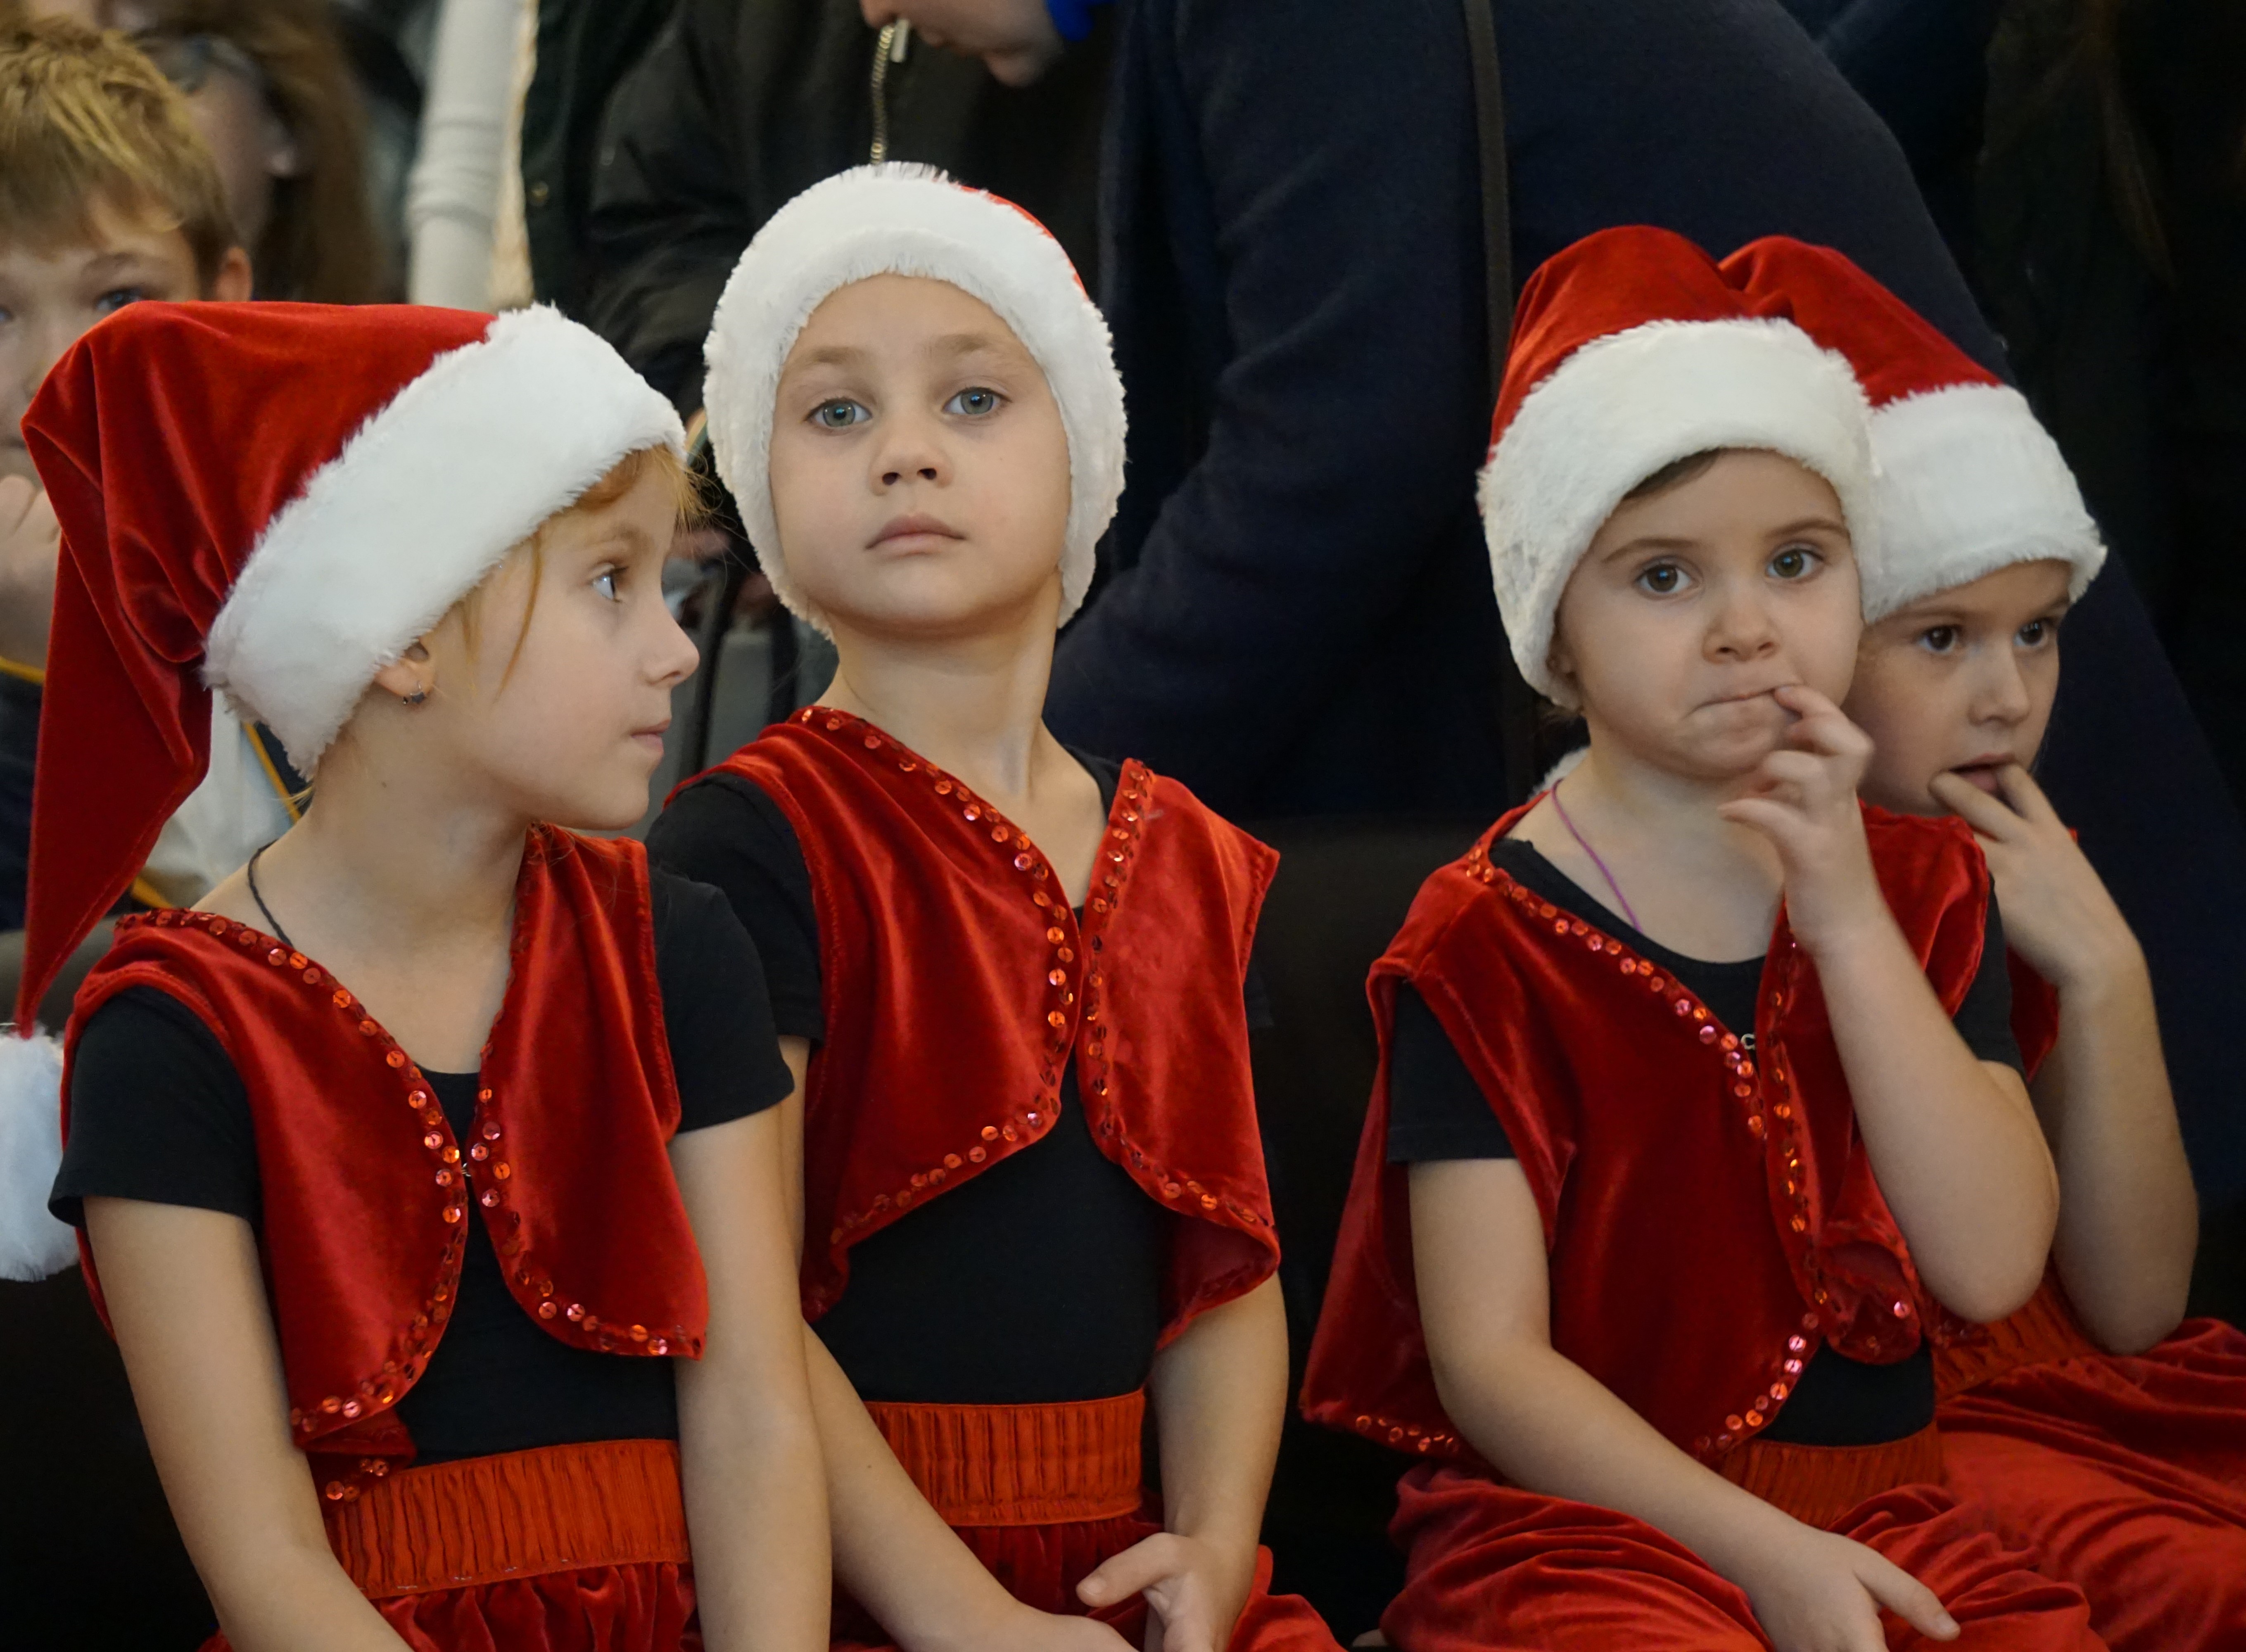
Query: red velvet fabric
point(1042, 1565)
point(957, 981)
point(1711, 1219)
point(365, 1204)
point(2127, 1477)
point(2125, 1474)
point(602, 1608)
point(1493, 1568)
point(159, 382)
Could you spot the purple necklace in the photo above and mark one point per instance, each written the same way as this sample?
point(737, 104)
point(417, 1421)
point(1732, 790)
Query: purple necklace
point(1620, 899)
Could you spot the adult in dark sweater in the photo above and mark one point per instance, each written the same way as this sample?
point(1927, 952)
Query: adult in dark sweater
point(1297, 616)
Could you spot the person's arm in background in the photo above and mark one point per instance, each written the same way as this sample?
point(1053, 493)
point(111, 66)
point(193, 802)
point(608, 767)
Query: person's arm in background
point(1335, 141)
point(452, 205)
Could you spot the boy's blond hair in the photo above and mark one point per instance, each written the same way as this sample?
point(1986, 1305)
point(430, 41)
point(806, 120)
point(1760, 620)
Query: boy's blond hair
point(85, 118)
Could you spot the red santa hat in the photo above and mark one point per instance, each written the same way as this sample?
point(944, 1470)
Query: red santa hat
point(902, 220)
point(1633, 349)
point(275, 501)
point(1969, 481)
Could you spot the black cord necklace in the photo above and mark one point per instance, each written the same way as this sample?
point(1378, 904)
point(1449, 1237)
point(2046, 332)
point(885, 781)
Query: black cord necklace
point(271, 923)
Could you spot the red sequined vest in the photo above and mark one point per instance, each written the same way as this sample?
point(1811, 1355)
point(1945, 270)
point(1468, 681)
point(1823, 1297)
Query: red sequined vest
point(1710, 1215)
point(957, 982)
point(365, 1190)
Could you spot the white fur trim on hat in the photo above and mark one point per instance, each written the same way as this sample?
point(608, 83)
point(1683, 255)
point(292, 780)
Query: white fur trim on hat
point(1970, 482)
point(32, 1243)
point(424, 500)
point(901, 220)
point(1620, 408)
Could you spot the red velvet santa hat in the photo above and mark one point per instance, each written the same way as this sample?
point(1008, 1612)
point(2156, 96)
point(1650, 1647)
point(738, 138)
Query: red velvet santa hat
point(902, 220)
point(275, 501)
point(1969, 481)
point(1631, 350)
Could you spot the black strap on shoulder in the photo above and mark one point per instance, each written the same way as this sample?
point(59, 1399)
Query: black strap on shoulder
point(1518, 710)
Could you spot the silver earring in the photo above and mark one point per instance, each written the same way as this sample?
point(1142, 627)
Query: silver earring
point(417, 696)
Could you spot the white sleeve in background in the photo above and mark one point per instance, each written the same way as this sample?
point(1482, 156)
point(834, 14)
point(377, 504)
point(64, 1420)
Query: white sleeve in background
point(234, 813)
point(451, 198)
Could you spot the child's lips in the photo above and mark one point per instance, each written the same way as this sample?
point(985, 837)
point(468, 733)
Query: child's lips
point(904, 532)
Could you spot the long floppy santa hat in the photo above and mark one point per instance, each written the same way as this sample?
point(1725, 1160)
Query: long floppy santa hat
point(1633, 349)
point(1969, 481)
point(902, 220)
point(275, 501)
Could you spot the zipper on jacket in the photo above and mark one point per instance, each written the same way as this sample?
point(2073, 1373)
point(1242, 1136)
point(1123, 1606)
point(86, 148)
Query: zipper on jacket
point(888, 47)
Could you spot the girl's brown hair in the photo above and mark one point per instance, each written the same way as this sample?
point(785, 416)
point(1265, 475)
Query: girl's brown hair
point(319, 244)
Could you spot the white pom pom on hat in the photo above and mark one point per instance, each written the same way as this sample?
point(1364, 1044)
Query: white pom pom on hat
point(1633, 349)
point(1969, 481)
point(901, 219)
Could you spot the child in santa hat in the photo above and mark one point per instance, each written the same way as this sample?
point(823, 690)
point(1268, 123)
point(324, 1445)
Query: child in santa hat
point(1009, 977)
point(2120, 1457)
point(393, 1154)
point(1698, 1099)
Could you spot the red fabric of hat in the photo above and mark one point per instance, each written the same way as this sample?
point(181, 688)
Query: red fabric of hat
point(1633, 349)
point(1968, 480)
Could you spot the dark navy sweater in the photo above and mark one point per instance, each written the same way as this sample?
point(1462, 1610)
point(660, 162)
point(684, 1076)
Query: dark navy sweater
point(1295, 614)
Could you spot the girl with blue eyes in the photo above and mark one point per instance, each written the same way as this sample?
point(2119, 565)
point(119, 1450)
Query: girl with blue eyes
point(1008, 977)
point(1697, 1104)
point(2095, 1426)
point(428, 1168)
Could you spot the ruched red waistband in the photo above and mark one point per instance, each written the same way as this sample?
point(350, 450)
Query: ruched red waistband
point(2044, 1331)
point(480, 1520)
point(1020, 1464)
point(1818, 1484)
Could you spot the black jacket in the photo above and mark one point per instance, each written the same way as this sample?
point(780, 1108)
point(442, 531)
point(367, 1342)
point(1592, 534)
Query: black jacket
point(1296, 615)
point(740, 105)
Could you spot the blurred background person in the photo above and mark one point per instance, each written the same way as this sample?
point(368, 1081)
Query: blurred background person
point(274, 98)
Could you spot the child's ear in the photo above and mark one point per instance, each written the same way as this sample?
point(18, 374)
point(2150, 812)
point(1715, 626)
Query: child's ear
point(235, 282)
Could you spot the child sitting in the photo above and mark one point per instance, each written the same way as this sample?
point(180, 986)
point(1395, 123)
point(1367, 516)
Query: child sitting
point(428, 1169)
point(108, 196)
point(2117, 1456)
point(1009, 977)
point(1698, 1098)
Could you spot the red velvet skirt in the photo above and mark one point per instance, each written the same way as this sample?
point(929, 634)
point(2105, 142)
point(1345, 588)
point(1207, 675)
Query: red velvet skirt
point(2124, 1475)
point(1491, 1568)
point(571, 1549)
point(1044, 1495)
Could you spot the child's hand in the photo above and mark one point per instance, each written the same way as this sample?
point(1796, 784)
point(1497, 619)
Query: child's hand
point(30, 542)
point(1193, 1589)
point(2057, 915)
point(1803, 799)
point(1816, 1591)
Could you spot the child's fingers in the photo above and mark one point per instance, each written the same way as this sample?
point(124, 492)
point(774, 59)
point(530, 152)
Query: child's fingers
point(1990, 817)
point(2026, 797)
point(1775, 820)
point(1905, 1596)
point(1135, 1570)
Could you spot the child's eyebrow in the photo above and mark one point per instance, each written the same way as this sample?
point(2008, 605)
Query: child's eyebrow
point(1651, 542)
point(110, 263)
point(833, 356)
point(1828, 523)
point(953, 346)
